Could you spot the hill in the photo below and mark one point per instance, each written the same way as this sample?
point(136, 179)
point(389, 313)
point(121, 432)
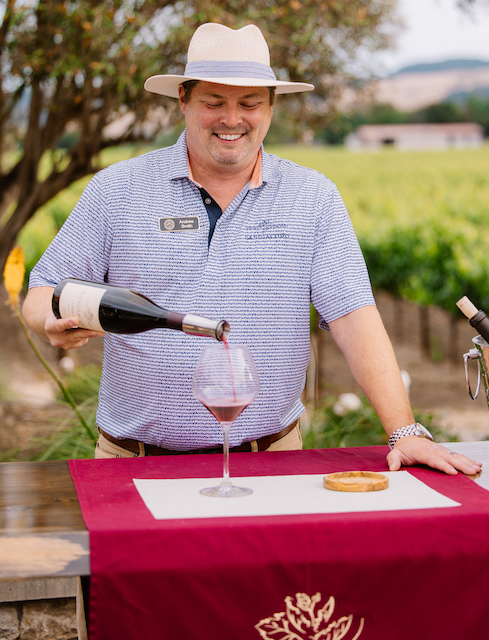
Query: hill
point(445, 65)
point(422, 85)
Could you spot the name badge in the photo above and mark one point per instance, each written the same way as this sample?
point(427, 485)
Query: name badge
point(188, 223)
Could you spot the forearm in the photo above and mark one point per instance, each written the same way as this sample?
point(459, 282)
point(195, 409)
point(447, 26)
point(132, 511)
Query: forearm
point(362, 338)
point(368, 350)
point(63, 332)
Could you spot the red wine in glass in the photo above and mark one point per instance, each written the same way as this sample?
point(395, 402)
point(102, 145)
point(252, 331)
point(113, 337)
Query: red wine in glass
point(225, 381)
point(227, 409)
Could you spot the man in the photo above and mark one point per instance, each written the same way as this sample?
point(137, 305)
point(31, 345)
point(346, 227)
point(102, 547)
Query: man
point(268, 238)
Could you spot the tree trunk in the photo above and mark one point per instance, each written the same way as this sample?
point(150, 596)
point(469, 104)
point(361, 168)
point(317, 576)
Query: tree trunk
point(424, 331)
point(41, 193)
point(398, 321)
point(454, 355)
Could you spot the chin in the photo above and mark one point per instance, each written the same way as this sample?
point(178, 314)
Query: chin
point(228, 157)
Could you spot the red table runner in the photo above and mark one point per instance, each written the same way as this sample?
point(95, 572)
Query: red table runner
point(403, 575)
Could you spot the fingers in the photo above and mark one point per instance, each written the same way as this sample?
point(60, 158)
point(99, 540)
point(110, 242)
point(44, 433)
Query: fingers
point(394, 460)
point(461, 462)
point(457, 461)
point(64, 333)
point(413, 450)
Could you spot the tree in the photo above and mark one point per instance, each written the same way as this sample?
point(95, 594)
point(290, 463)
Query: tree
point(441, 112)
point(477, 110)
point(77, 66)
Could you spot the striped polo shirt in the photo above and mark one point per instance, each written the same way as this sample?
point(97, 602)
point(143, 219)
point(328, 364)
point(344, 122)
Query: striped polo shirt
point(285, 241)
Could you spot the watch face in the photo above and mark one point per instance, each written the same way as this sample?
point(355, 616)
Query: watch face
point(424, 431)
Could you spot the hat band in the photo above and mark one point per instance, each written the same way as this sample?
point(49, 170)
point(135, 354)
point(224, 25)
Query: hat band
point(230, 69)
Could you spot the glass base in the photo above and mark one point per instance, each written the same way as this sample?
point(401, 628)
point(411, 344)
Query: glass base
point(226, 491)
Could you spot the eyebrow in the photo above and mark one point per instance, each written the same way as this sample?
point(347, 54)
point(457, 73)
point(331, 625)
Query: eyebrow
point(245, 97)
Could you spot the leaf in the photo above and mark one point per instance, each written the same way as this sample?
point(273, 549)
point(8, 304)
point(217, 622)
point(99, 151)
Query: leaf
point(337, 629)
point(13, 274)
point(276, 628)
point(326, 612)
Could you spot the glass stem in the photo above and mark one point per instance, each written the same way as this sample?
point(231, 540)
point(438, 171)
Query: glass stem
point(225, 450)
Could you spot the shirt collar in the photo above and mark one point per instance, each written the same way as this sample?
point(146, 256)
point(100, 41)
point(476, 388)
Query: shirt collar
point(179, 166)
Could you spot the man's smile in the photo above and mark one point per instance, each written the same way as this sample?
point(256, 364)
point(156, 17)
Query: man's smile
point(229, 136)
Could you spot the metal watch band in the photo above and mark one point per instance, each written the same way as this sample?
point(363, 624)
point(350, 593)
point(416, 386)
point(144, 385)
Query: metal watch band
point(415, 429)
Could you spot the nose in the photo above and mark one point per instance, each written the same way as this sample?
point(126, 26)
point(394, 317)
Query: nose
point(231, 116)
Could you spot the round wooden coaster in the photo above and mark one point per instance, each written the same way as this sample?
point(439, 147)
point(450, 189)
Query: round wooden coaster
point(356, 481)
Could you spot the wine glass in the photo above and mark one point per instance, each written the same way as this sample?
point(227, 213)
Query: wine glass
point(225, 382)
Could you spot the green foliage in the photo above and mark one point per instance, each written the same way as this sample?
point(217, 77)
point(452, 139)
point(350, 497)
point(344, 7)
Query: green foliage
point(478, 111)
point(83, 384)
point(386, 114)
point(358, 428)
point(421, 264)
point(69, 439)
point(443, 112)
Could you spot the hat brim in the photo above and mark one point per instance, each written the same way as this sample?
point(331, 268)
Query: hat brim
point(167, 85)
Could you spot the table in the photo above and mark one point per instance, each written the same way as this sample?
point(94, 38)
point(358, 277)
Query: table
point(42, 532)
point(243, 578)
point(421, 574)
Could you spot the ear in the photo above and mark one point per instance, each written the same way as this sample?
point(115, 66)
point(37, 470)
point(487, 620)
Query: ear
point(180, 96)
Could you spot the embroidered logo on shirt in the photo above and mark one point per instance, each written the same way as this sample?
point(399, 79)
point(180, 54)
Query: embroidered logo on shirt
point(267, 230)
point(187, 223)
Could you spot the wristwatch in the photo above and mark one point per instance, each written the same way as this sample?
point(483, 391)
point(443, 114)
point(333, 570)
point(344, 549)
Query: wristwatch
point(415, 429)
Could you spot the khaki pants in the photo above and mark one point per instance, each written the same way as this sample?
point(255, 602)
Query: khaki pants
point(107, 449)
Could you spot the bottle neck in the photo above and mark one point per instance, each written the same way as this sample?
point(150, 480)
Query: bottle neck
point(480, 322)
point(199, 326)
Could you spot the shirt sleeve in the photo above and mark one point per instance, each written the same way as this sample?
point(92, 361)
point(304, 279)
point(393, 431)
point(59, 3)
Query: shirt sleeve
point(81, 248)
point(339, 279)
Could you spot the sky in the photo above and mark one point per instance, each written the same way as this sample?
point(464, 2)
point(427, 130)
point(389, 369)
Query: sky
point(437, 30)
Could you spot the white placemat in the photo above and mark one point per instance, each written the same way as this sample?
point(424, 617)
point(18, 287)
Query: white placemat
point(283, 495)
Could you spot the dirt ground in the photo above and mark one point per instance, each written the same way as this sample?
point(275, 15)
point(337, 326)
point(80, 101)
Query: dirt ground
point(27, 392)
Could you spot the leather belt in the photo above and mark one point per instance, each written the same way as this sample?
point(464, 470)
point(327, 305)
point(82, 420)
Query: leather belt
point(152, 450)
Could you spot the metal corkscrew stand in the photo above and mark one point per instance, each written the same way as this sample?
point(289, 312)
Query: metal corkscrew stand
point(480, 351)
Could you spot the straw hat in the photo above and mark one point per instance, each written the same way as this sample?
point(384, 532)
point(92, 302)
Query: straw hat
point(236, 57)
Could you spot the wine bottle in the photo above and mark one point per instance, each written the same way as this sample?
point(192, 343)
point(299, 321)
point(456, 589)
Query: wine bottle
point(477, 318)
point(115, 309)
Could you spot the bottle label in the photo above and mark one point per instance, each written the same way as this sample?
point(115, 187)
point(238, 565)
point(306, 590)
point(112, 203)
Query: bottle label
point(82, 302)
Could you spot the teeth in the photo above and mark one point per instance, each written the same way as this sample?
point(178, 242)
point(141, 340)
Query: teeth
point(227, 136)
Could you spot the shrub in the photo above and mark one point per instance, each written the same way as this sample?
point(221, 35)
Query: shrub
point(356, 428)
